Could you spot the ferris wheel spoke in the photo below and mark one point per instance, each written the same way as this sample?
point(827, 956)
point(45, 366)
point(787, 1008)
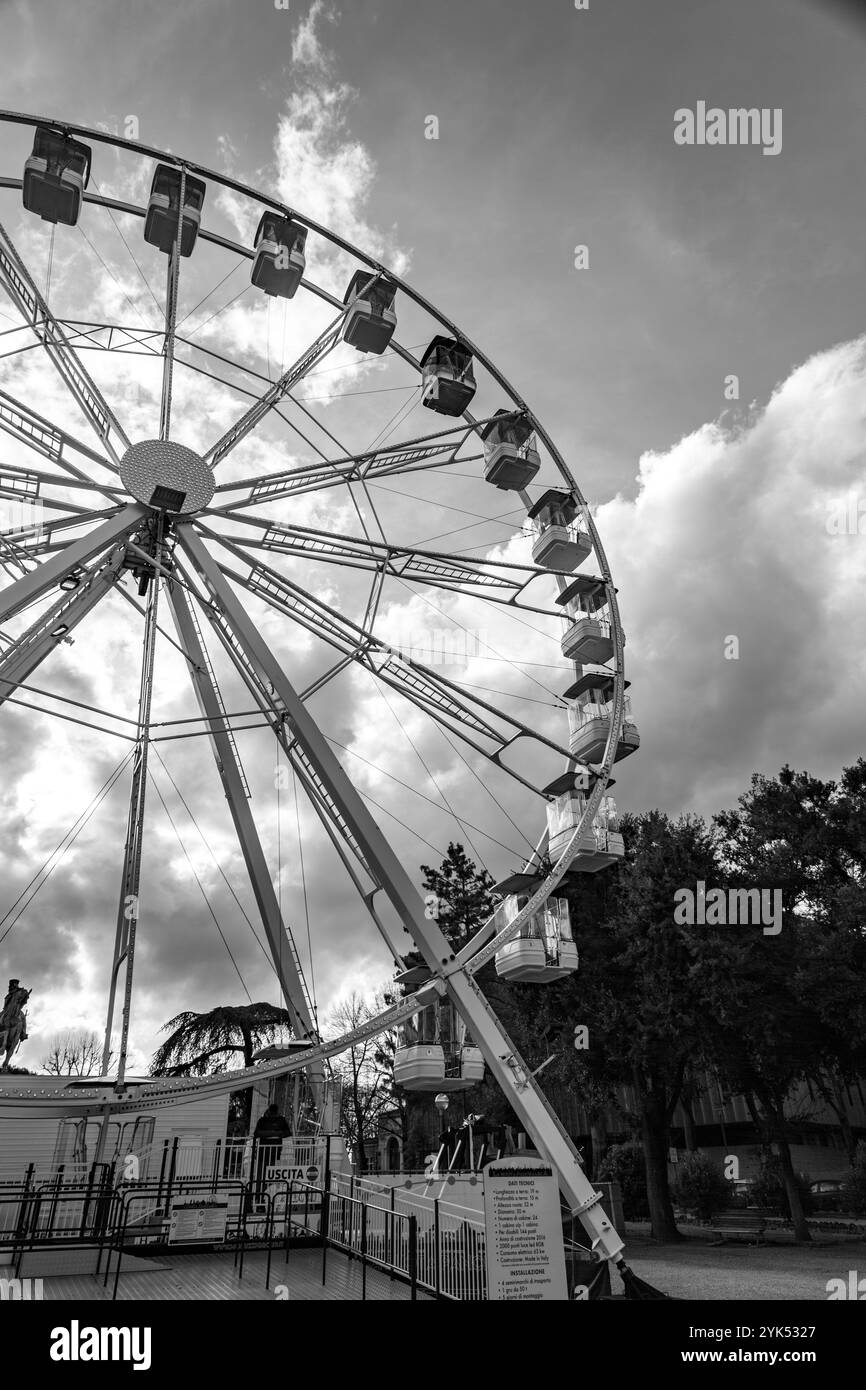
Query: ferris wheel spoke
point(22, 291)
point(322, 760)
point(325, 807)
point(280, 389)
point(24, 424)
point(72, 555)
point(470, 717)
point(283, 952)
point(493, 580)
point(53, 626)
point(40, 540)
point(430, 451)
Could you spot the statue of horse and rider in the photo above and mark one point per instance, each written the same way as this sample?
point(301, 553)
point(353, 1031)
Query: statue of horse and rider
point(13, 1021)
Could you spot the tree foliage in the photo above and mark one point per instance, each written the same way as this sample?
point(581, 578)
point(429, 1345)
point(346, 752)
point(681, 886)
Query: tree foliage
point(199, 1044)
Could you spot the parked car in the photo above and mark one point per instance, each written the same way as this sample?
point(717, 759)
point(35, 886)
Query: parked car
point(828, 1194)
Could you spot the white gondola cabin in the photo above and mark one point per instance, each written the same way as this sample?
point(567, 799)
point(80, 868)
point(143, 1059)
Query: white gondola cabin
point(590, 715)
point(600, 844)
point(435, 1053)
point(558, 541)
point(280, 261)
point(543, 949)
point(511, 459)
point(448, 381)
point(371, 321)
point(55, 176)
point(163, 208)
point(589, 636)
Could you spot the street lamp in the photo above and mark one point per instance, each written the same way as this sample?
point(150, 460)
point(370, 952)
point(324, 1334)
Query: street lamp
point(441, 1102)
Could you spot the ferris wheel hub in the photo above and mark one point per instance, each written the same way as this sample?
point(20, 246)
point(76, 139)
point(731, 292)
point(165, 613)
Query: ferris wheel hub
point(167, 476)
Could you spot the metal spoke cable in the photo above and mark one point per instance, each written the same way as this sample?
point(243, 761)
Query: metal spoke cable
point(379, 807)
point(416, 750)
point(131, 255)
point(216, 315)
point(117, 281)
point(204, 300)
point(50, 262)
point(481, 782)
point(213, 856)
point(415, 792)
point(512, 694)
point(509, 661)
point(71, 835)
point(208, 904)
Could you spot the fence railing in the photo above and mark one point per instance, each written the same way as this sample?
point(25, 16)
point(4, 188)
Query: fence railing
point(449, 1250)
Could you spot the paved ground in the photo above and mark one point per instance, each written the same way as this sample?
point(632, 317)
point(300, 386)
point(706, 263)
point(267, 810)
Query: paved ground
point(695, 1269)
point(183, 1277)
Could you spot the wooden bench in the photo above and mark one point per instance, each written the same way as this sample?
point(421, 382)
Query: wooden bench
point(739, 1223)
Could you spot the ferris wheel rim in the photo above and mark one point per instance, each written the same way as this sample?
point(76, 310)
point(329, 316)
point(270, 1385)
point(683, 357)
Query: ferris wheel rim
point(552, 878)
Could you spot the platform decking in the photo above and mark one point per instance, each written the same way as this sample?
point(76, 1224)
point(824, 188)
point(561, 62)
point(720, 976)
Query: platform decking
point(213, 1277)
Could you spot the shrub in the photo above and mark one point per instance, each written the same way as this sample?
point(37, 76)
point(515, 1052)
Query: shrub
point(769, 1188)
point(700, 1186)
point(855, 1186)
point(624, 1163)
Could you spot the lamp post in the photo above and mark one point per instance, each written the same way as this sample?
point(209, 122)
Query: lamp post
point(441, 1102)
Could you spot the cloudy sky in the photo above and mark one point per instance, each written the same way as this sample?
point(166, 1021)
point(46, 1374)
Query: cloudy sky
point(722, 515)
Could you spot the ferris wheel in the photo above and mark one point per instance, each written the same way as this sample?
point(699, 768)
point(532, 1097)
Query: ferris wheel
point(234, 493)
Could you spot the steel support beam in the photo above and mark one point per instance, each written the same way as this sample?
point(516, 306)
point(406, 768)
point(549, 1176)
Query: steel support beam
point(31, 586)
point(22, 290)
point(282, 950)
point(512, 1074)
point(33, 646)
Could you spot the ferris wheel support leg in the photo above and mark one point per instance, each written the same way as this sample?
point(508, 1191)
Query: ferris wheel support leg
point(210, 705)
point(34, 645)
point(499, 1052)
point(49, 573)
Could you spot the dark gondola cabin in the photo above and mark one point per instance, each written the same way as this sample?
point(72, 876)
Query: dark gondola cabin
point(371, 321)
point(160, 225)
point(55, 176)
point(589, 635)
point(511, 459)
point(558, 541)
point(280, 261)
point(448, 381)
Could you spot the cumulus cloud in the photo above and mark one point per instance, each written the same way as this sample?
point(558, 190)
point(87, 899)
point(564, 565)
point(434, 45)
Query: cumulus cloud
point(731, 535)
point(308, 50)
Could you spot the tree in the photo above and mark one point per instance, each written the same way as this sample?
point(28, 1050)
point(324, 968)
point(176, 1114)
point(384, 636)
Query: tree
point(701, 1186)
point(636, 990)
point(458, 895)
point(365, 1091)
point(204, 1043)
point(772, 1014)
point(74, 1052)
